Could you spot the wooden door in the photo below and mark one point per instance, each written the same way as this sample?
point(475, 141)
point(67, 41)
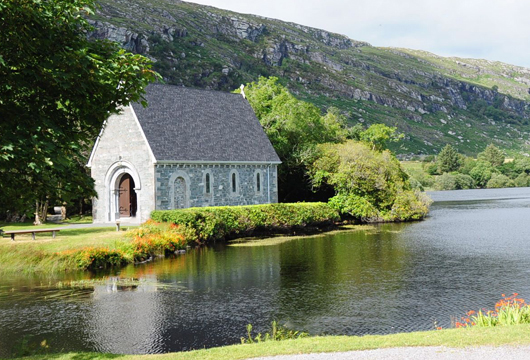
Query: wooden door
point(125, 195)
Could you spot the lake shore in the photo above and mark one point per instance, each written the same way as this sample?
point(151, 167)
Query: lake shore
point(517, 335)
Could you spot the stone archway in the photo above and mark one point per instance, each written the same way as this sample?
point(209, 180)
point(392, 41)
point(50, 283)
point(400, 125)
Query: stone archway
point(179, 190)
point(122, 185)
point(180, 200)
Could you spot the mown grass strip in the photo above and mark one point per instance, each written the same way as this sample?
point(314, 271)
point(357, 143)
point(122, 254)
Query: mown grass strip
point(492, 336)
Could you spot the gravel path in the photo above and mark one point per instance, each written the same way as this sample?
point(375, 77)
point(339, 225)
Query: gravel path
point(420, 353)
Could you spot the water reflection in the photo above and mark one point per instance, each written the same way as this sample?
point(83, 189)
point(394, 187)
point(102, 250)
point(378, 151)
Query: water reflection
point(390, 278)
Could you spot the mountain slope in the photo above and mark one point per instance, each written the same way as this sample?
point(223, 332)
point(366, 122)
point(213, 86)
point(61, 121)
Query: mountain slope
point(433, 100)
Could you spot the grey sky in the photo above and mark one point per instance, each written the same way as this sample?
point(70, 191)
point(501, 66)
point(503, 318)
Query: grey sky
point(485, 29)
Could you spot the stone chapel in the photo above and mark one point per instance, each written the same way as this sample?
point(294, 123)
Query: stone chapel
point(188, 148)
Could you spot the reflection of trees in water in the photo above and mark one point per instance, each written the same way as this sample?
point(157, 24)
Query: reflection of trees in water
point(336, 277)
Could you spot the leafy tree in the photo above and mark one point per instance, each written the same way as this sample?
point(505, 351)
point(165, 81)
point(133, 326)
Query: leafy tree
point(468, 163)
point(448, 160)
point(369, 185)
point(481, 173)
point(493, 155)
point(499, 181)
point(523, 180)
point(294, 128)
point(56, 89)
point(379, 135)
point(454, 181)
point(522, 164)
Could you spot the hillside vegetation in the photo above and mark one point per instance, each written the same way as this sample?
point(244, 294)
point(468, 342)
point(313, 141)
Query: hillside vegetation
point(433, 100)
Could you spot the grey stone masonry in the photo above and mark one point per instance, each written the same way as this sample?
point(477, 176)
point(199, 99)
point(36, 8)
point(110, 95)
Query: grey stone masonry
point(122, 149)
point(187, 185)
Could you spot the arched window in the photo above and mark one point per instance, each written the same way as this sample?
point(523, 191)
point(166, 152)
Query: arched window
point(207, 184)
point(233, 182)
point(258, 182)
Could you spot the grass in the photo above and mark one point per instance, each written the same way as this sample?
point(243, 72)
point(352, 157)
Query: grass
point(492, 336)
point(40, 255)
point(77, 219)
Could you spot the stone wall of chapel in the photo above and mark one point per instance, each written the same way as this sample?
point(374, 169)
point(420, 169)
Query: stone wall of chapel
point(169, 179)
point(122, 140)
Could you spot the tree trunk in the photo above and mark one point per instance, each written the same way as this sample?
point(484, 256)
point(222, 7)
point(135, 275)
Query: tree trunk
point(41, 210)
point(37, 217)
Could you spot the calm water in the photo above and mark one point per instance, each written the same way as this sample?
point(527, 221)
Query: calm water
point(391, 278)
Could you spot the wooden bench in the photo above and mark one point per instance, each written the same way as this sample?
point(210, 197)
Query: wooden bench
point(32, 232)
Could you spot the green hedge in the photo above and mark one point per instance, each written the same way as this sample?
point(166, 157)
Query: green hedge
point(221, 222)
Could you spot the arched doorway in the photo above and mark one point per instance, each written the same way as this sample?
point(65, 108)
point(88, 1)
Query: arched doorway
point(127, 200)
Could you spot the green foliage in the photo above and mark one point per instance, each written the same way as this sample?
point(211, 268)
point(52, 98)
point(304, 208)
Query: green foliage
point(522, 164)
point(492, 155)
point(57, 88)
point(96, 258)
point(277, 333)
point(294, 128)
point(481, 173)
point(448, 160)
point(522, 180)
point(499, 181)
point(410, 205)
point(454, 181)
point(356, 206)
point(215, 223)
point(510, 310)
point(369, 185)
point(379, 135)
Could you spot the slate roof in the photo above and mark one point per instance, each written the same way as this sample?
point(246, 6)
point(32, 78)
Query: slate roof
point(183, 124)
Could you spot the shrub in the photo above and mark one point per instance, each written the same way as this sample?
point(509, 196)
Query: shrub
point(463, 181)
point(522, 180)
point(499, 181)
point(410, 205)
point(215, 223)
point(445, 182)
point(96, 258)
point(510, 310)
point(356, 206)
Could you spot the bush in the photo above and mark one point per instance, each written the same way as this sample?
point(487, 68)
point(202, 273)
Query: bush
point(510, 310)
point(499, 181)
point(522, 180)
point(146, 241)
point(445, 182)
point(96, 258)
point(463, 181)
point(215, 223)
point(410, 205)
point(454, 181)
point(355, 206)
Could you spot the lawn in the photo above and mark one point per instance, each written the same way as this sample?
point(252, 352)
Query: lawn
point(492, 336)
point(40, 255)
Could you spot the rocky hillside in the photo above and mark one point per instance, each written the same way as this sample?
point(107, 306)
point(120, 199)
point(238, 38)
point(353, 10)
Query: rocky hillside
point(433, 100)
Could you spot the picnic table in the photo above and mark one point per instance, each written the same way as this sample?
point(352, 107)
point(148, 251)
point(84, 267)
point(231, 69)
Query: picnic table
point(30, 231)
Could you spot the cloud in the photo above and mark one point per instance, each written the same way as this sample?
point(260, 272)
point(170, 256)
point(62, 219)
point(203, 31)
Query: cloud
point(491, 29)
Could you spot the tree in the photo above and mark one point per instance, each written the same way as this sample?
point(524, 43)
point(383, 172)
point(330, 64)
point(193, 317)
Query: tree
point(379, 135)
point(56, 89)
point(448, 160)
point(294, 128)
point(481, 173)
point(369, 184)
point(493, 155)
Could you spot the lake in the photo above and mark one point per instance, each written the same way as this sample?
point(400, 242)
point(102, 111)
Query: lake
point(474, 246)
